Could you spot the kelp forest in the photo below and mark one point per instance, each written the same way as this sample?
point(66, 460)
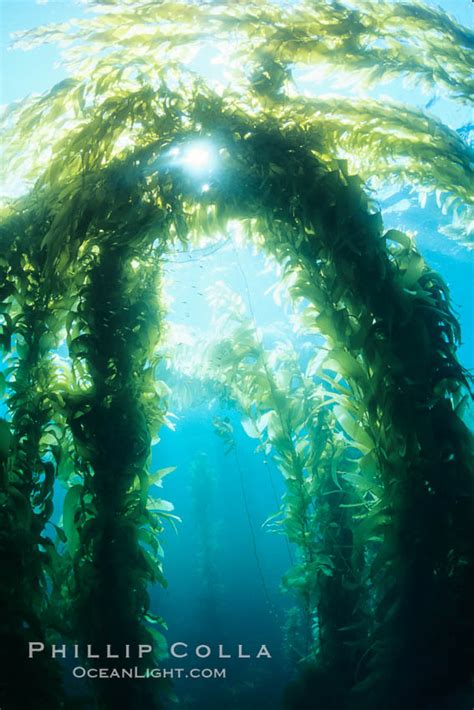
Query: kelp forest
point(183, 134)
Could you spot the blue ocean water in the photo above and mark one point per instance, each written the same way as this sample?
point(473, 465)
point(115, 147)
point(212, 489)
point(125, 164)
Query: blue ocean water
point(237, 599)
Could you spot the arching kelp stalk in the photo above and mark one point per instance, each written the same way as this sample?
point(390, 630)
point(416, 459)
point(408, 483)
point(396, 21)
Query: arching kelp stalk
point(265, 47)
point(103, 212)
point(392, 337)
point(371, 300)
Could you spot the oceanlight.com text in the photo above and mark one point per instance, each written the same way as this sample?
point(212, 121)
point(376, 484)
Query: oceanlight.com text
point(148, 673)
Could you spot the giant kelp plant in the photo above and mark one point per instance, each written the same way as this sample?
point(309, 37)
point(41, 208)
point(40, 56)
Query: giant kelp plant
point(287, 413)
point(137, 152)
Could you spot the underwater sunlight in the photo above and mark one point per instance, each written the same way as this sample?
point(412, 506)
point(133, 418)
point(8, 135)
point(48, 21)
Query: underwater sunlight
point(236, 332)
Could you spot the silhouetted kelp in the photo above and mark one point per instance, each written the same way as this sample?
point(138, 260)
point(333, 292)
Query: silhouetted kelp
point(81, 260)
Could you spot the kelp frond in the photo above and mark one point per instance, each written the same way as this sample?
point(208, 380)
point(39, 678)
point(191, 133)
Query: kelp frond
point(129, 53)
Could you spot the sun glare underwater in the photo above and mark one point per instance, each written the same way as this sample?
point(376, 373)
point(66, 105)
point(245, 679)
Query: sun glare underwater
point(237, 333)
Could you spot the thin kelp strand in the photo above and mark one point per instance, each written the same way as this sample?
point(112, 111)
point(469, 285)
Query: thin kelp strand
point(378, 473)
point(252, 531)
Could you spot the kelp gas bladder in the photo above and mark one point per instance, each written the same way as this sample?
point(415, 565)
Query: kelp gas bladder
point(81, 257)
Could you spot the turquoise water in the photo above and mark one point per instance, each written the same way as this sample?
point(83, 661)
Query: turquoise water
point(223, 565)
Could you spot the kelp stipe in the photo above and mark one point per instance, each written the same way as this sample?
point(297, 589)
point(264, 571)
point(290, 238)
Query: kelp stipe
point(31, 313)
point(289, 416)
point(113, 331)
point(95, 226)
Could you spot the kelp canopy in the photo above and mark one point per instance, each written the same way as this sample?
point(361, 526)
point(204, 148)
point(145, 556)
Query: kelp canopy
point(137, 152)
